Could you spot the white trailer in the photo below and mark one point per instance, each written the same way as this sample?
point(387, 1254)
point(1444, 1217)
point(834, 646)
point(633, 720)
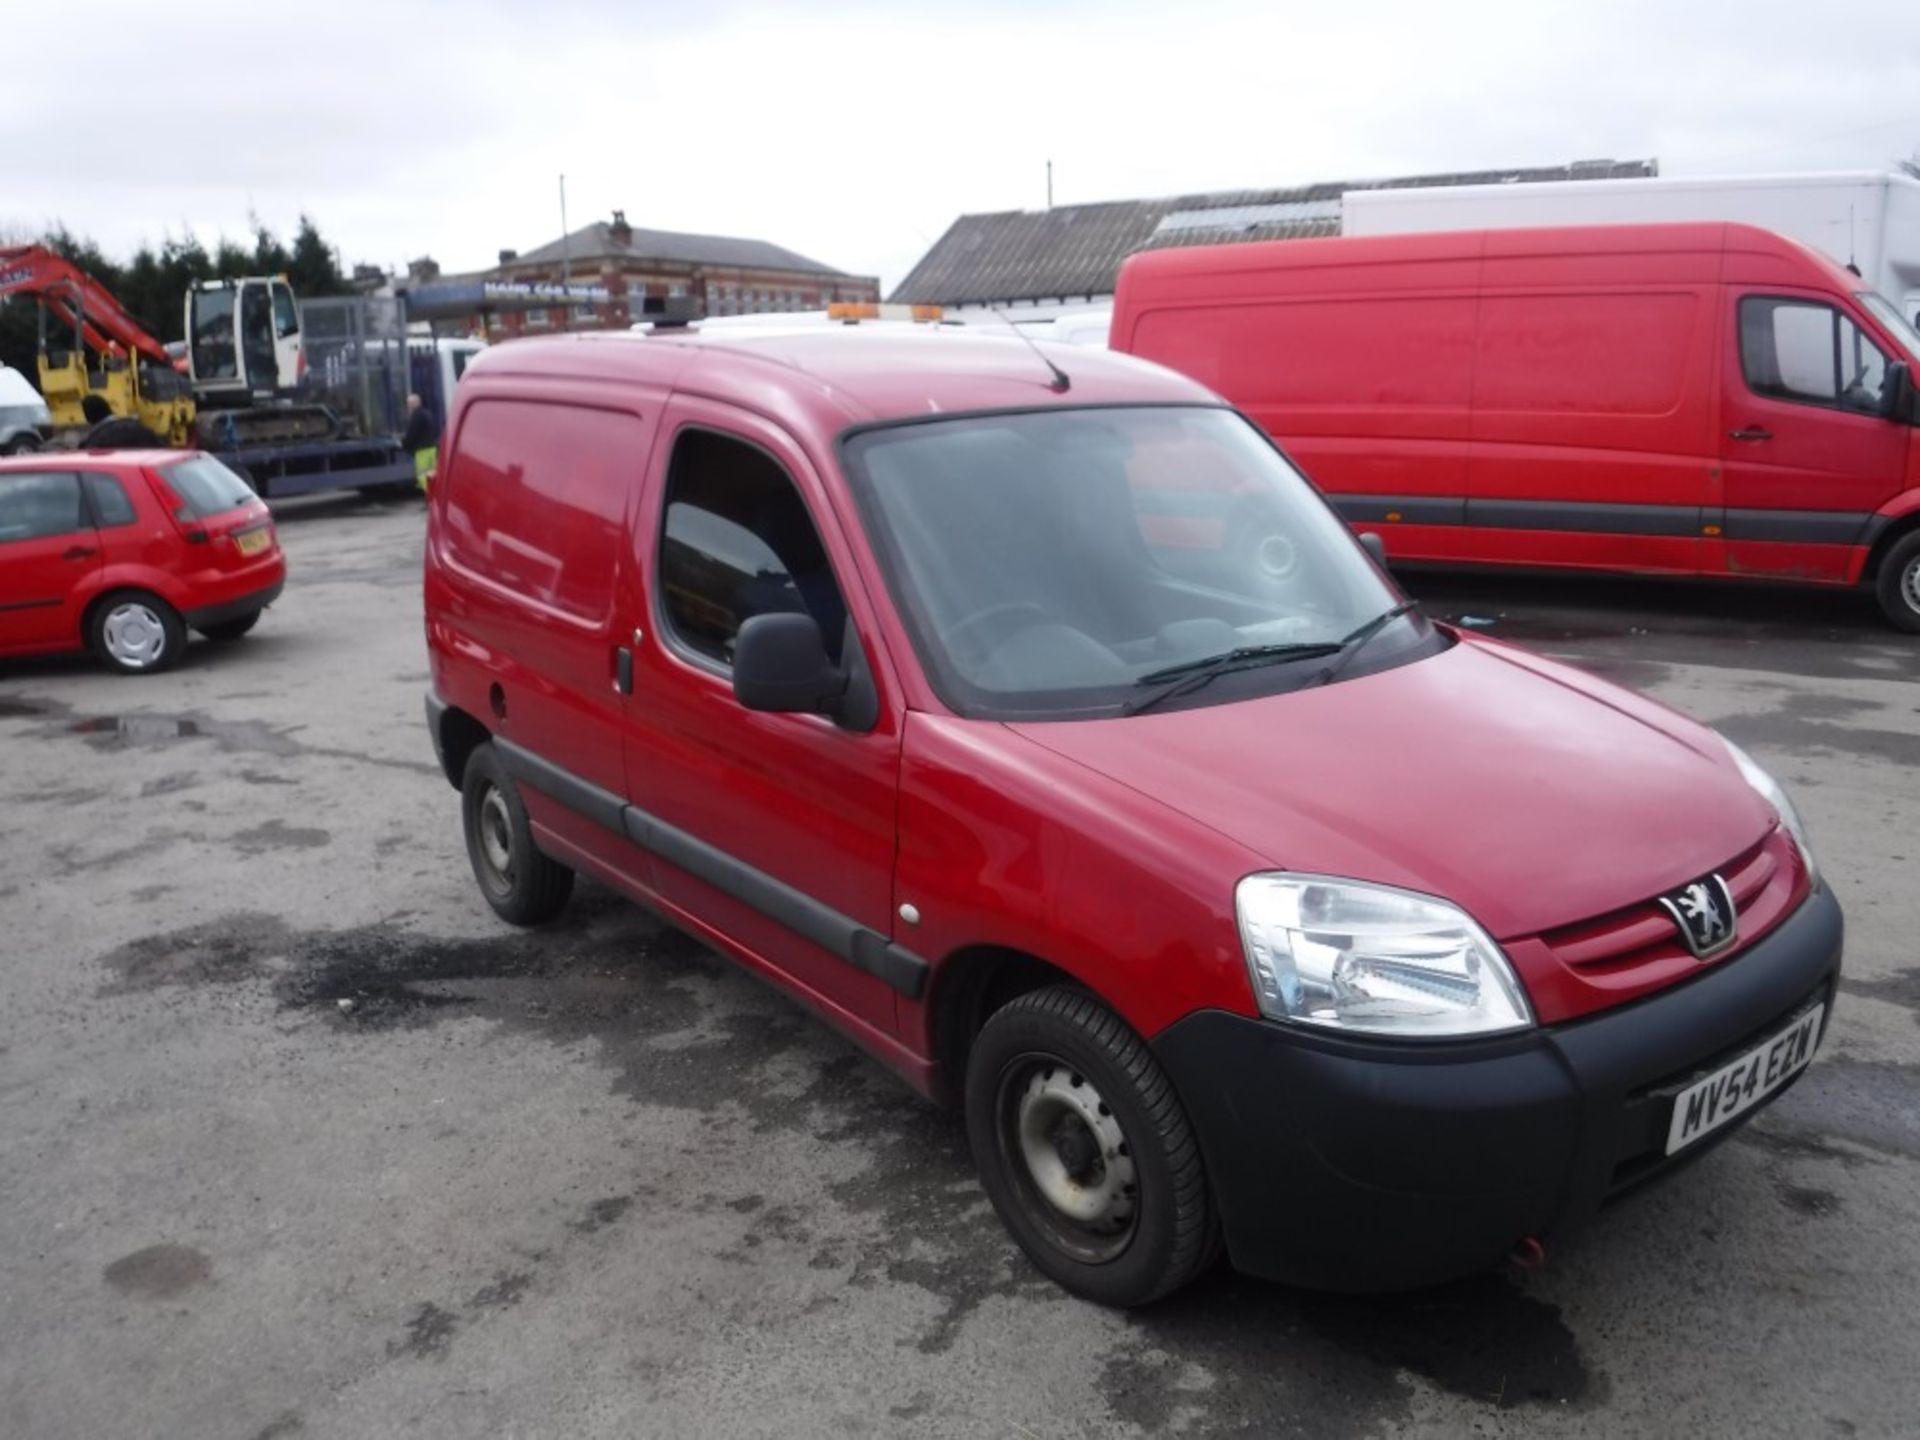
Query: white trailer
point(1860, 217)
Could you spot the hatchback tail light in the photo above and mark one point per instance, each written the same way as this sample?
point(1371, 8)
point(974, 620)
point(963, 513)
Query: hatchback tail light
point(185, 519)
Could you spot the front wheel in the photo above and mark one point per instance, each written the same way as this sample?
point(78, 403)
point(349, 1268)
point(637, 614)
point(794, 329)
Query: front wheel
point(1898, 584)
point(1085, 1150)
point(523, 886)
point(136, 633)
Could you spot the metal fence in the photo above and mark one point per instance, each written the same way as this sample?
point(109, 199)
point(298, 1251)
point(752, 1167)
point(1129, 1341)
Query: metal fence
point(357, 360)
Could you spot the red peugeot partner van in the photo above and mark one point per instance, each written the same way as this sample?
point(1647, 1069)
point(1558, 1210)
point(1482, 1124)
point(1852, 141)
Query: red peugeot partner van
point(1031, 720)
point(1662, 399)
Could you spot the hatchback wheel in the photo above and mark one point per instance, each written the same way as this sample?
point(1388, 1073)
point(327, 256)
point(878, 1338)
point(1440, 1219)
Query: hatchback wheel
point(1085, 1150)
point(524, 886)
point(1899, 583)
point(136, 633)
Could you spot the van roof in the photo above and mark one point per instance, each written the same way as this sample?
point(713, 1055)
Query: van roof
point(859, 373)
point(1708, 238)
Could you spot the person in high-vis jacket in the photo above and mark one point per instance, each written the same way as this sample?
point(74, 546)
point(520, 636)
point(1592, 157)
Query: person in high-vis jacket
point(421, 439)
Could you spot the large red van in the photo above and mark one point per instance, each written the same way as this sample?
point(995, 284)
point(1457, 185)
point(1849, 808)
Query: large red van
point(1031, 720)
point(1663, 399)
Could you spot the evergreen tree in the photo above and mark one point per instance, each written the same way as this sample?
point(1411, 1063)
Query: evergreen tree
point(153, 285)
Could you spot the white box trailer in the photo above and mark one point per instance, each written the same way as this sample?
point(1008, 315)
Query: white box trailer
point(1860, 217)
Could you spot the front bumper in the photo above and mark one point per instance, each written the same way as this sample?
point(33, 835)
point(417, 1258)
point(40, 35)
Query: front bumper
point(1357, 1165)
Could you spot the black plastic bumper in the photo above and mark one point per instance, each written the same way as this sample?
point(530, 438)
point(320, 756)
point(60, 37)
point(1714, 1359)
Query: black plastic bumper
point(1351, 1165)
point(234, 609)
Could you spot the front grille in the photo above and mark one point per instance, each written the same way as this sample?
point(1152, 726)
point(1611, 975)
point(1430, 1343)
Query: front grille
point(1639, 948)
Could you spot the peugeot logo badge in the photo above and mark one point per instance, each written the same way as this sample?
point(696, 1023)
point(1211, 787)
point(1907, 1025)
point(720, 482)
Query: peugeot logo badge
point(1704, 913)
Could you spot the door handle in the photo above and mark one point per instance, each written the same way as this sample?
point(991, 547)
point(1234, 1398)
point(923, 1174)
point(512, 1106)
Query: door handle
point(623, 670)
point(78, 552)
point(1752, 432)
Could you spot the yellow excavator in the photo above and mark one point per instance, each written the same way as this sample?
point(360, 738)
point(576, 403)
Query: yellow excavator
point(234, 392)
point(234, 385)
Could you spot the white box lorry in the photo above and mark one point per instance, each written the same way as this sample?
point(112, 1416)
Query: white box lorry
point(1864, 218)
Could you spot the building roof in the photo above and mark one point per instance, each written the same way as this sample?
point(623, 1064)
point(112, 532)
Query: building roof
point(1077, 249)
point(605, 240)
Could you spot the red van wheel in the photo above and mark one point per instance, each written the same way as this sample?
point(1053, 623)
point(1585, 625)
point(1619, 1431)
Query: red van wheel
point(523, 886)
point(1085, 1150)
point(1899, 582)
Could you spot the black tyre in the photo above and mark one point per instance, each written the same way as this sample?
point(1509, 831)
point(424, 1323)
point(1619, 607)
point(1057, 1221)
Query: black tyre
point(231, 629)
point(135, 632)
point(524, 886)
point(1898, 582)
point(1085, 1150)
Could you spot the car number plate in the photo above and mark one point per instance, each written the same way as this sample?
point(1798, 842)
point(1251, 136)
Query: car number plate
point(1738, 1086)
point(252, 542)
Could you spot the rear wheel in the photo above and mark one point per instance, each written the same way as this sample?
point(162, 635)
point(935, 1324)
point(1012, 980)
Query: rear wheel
point(231, 629)
point(523, 886)
point(1085, 1150)
point(136, 633)
point(1898, 583)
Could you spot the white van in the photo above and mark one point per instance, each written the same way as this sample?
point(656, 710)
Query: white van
point(25, 422)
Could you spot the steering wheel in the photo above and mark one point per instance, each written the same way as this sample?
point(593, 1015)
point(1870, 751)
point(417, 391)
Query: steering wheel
point(1003, 610)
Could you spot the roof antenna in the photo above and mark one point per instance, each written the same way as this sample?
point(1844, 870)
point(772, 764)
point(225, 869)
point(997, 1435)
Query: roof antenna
point(1062, 382)
point(1851, 259)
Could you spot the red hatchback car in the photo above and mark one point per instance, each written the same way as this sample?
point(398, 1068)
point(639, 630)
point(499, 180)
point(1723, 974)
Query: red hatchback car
point(123, 552)
point(1032, 720)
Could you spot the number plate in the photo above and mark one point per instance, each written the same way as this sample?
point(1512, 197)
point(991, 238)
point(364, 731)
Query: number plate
point(252, 542)
point(1737, 1087)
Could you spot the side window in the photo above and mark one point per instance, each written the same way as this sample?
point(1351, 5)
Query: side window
point(536, 498)
point(286, 319)
point(38, 504)
point(111, 506)
point(738, 542)
point(1798, 350)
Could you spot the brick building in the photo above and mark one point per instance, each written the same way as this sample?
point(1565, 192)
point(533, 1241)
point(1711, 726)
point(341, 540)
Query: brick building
point(614, 269)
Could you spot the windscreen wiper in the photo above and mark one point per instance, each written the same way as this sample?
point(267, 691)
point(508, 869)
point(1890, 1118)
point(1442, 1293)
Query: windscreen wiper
point(1357, 641)
point(1190, 675)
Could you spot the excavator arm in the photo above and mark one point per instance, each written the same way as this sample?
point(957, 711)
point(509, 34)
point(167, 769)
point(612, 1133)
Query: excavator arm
point(76, 298)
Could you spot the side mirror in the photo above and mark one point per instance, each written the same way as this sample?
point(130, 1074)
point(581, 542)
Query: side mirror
point(1896, 395)
point(1371, 542)
point(780, 663)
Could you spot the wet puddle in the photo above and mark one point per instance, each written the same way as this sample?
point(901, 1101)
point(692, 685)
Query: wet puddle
point(138, 729)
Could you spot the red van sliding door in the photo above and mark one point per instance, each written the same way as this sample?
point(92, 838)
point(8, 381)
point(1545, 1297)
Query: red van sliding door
point(1359, 367)
point(1592, 411)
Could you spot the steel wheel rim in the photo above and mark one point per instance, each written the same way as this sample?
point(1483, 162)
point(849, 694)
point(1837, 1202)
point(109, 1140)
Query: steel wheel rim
point(495, 833)
point(1910, 584)
point(1070, 1159)
point(134, 634)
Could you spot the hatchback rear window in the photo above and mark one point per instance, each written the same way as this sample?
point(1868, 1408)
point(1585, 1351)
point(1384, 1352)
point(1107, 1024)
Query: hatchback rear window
point(205, 486)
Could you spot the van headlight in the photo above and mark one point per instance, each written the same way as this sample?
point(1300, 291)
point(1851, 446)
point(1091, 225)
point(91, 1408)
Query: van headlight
point(1769, 789)
point(1368, 958)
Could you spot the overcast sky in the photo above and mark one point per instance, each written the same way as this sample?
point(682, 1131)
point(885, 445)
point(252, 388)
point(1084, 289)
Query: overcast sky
point(854, 133)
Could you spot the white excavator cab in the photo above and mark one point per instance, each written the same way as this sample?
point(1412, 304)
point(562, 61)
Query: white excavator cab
point(243, 339)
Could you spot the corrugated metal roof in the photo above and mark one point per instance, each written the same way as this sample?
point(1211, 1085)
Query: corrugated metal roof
point(1078, 249)
point(599, 242)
